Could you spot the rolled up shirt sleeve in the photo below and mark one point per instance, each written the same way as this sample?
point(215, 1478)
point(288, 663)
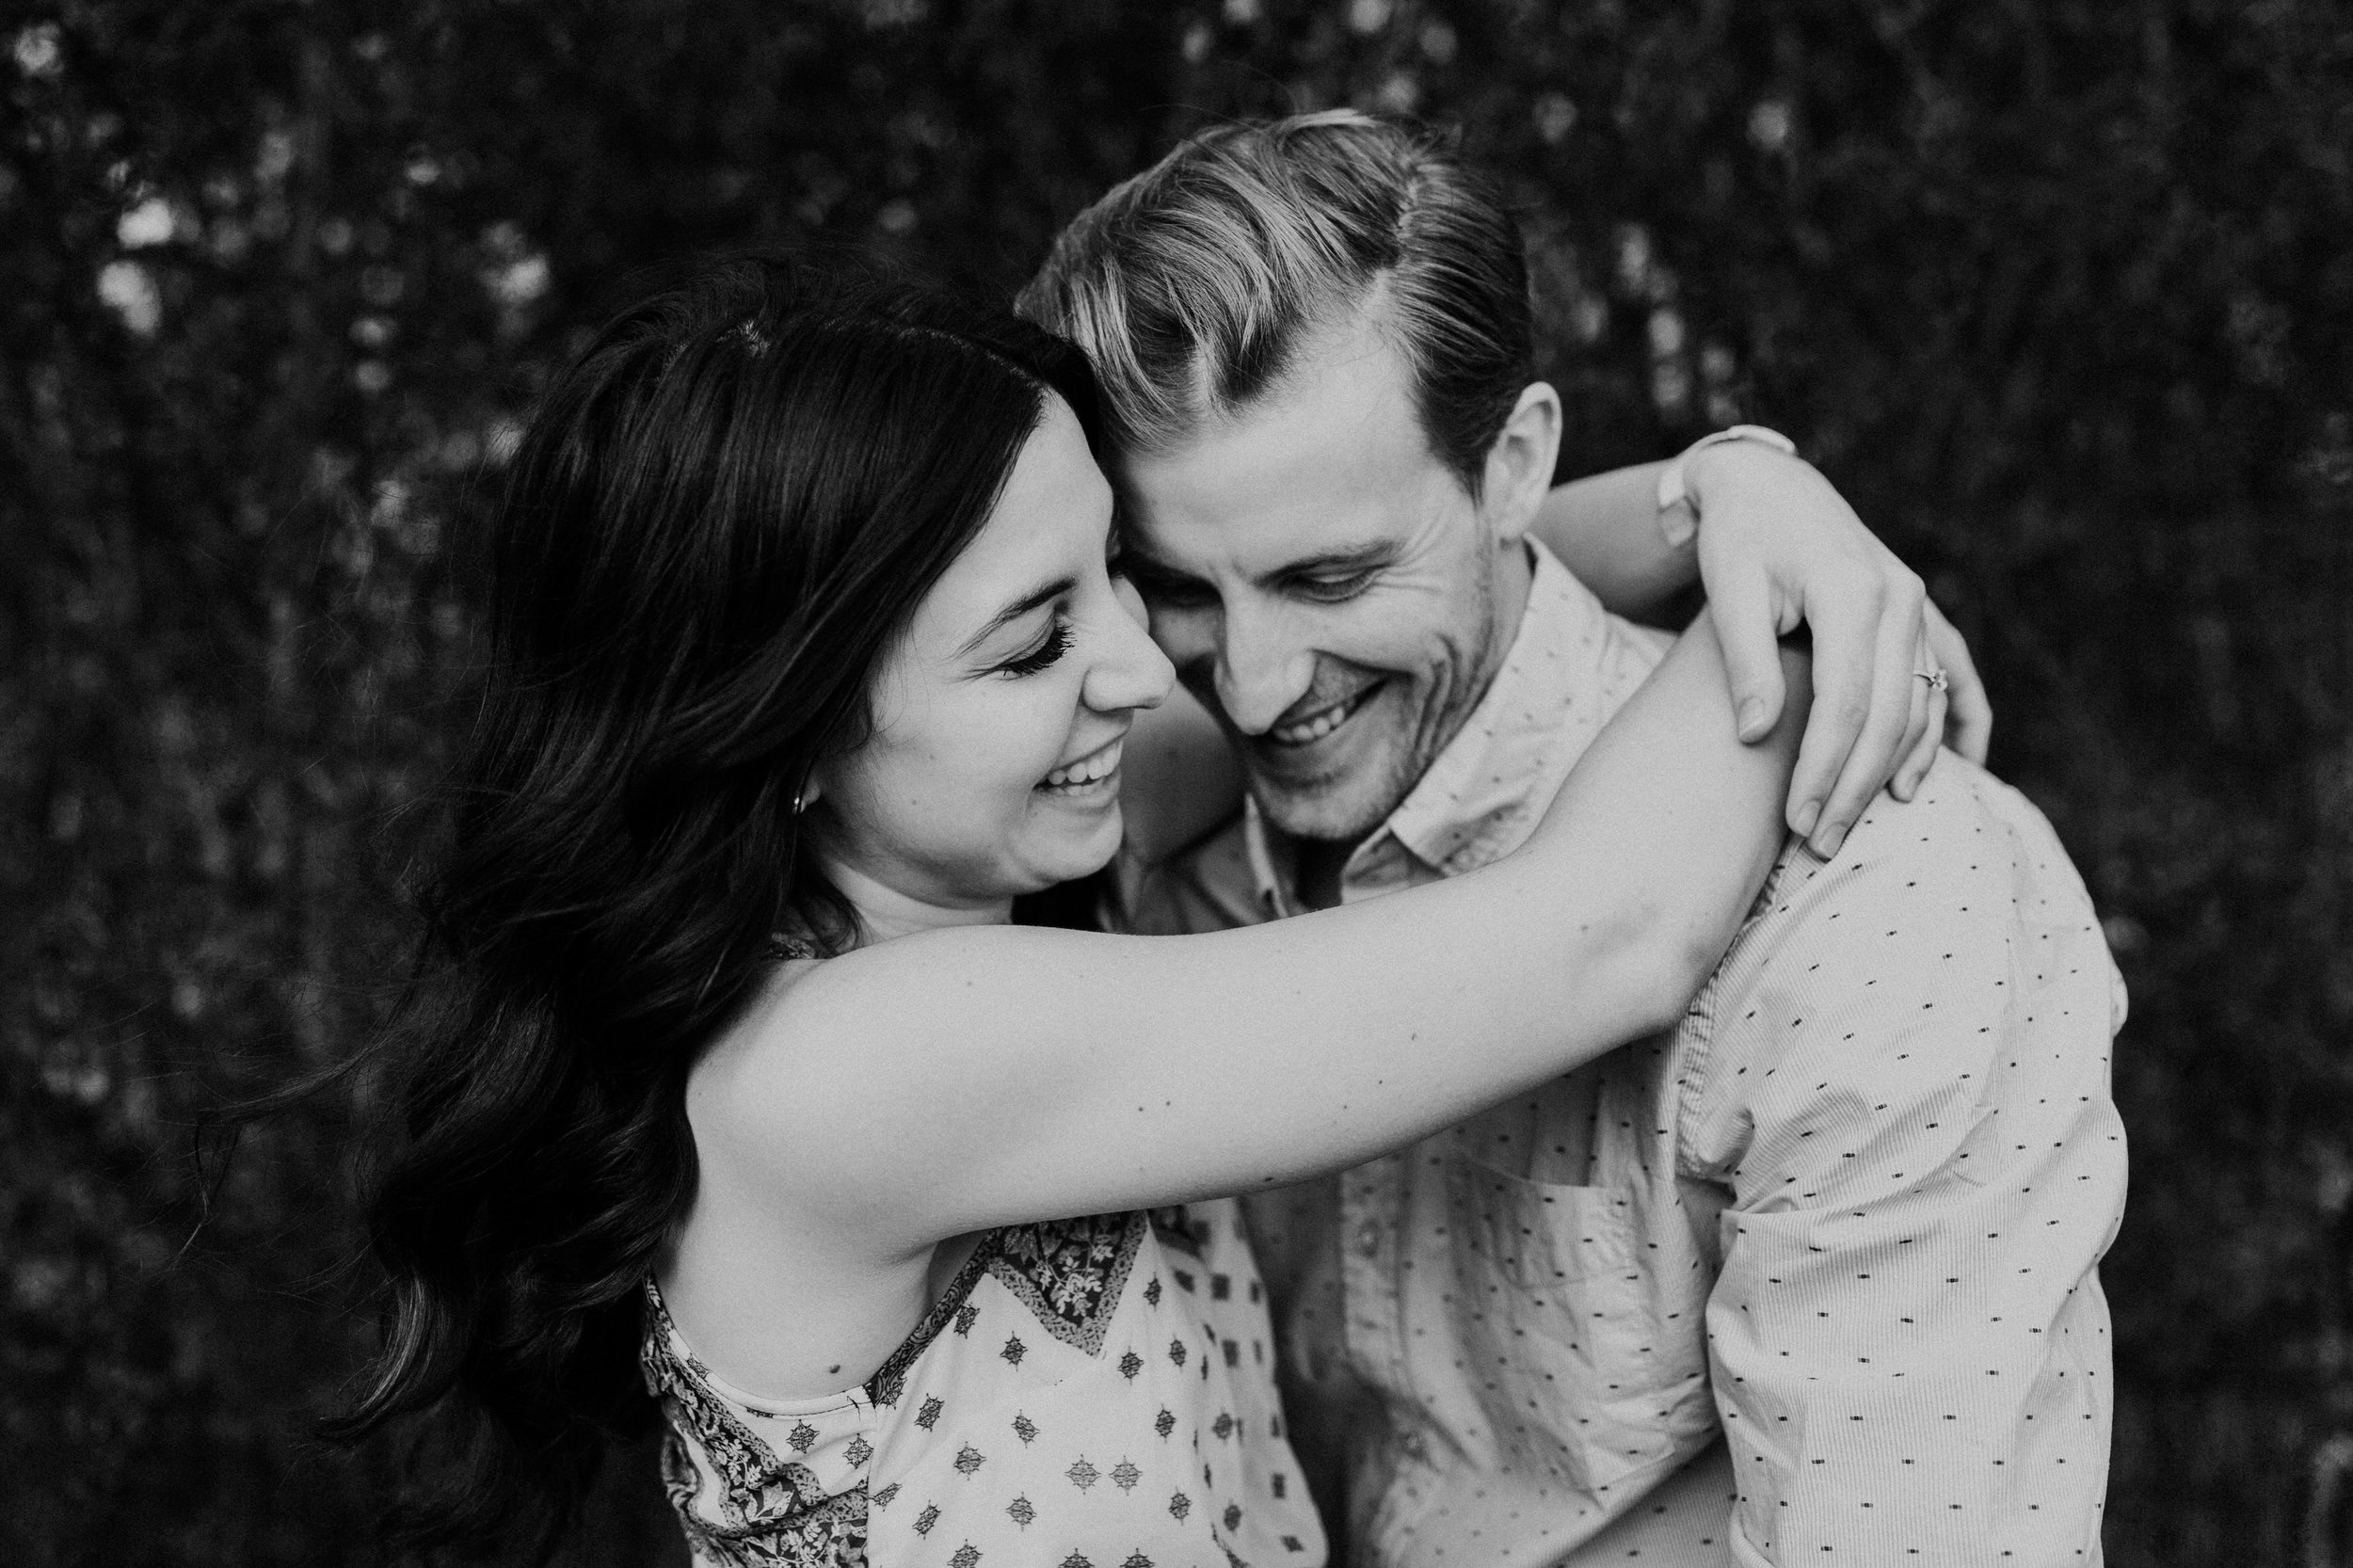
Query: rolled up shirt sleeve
point(1905, 1092)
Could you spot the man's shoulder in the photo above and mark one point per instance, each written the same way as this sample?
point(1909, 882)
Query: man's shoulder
point(1925, 898)
point(1904, 972)
point(1564, 614)
point(1963, 829)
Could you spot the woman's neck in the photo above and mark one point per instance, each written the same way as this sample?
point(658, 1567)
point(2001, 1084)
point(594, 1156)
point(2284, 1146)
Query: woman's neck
point(885, 911)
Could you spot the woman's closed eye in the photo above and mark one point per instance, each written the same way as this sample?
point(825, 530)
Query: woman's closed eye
point(1055, 644)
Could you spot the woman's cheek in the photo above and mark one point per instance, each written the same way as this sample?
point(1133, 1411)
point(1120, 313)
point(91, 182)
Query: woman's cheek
point(1052, 718)
point(987, 758)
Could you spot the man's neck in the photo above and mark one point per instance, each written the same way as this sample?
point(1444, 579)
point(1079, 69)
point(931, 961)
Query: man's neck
point(1320, 865)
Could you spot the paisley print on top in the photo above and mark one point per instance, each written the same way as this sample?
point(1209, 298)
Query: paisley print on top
point(771, 1510)
point(980, 1432)
point(1068, 1272)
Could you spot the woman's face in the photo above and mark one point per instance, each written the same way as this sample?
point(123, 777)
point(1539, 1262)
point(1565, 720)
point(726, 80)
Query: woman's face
point(993, 768)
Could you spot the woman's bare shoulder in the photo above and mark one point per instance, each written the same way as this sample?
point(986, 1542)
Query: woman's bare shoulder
point(766, 1078)
point(829, 1044)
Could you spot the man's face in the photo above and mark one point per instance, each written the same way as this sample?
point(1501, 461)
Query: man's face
point(1324, 585)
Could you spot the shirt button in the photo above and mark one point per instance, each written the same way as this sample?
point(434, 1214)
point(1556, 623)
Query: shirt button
point(1368, 1239)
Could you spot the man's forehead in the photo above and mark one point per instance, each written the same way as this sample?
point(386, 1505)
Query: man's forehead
point(1332, 459)
point(1258, 541)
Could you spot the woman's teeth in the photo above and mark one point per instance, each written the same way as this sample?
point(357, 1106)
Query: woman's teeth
point(1086, 769)
point(1322, 724)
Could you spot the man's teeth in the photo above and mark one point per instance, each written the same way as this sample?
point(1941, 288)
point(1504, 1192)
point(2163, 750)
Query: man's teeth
point(1321, 725)
point(1087, 769)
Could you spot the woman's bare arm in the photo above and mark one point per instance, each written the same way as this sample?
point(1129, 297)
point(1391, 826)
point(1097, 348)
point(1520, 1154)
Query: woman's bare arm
point(1604, 529)
point(945, 1083)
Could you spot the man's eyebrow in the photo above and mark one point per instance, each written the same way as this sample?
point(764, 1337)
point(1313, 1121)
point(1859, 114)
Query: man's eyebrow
point(1363, 558)
point(1043, 594)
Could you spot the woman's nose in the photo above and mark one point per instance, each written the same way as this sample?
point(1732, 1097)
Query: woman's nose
point(1132, 672)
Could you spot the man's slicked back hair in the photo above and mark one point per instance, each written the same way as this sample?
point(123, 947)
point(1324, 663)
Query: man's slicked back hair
point(1191, 285)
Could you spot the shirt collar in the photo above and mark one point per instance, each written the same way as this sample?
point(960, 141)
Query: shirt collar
point(1487, 790)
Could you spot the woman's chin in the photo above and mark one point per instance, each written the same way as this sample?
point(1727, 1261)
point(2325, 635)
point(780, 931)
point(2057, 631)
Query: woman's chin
point(1081, 844)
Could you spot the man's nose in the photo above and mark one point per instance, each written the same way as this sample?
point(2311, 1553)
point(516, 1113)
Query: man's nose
point(1261, 669)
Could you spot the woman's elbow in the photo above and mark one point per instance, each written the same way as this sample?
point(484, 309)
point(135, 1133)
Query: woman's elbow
point(1661, 958)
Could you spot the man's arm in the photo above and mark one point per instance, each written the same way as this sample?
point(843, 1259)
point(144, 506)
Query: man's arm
point(1907, 1093)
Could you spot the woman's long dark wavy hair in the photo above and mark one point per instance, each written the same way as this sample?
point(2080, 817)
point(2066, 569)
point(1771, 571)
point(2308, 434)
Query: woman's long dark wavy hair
point(717, 520)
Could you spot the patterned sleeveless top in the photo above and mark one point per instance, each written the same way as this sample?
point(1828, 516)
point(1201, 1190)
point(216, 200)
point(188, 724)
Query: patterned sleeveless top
point(1092, 1393)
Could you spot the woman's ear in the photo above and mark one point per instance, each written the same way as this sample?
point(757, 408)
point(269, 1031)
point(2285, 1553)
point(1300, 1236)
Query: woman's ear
point(1520, 463)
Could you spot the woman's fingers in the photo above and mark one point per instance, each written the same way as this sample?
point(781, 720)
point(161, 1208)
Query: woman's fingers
point(1779, 547)
point(1969, 719)
point(1927, 731)
point(1887, 715)
point(1849, 622)
point(1748, 627)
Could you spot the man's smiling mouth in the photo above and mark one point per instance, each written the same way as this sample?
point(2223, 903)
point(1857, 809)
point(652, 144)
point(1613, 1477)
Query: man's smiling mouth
point(1314, 727)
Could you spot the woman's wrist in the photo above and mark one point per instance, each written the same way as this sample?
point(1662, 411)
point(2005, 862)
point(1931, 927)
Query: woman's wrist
point(1712, 461)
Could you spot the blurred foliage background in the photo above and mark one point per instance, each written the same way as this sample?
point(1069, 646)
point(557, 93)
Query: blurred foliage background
point(2059, 291)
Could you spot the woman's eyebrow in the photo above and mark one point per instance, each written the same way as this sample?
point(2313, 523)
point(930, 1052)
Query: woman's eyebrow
point(1015, 611)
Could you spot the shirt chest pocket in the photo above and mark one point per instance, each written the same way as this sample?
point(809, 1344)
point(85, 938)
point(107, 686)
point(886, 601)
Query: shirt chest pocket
point(1583, 1323)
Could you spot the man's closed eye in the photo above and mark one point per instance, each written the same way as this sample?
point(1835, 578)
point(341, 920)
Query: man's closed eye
point(1334, 589)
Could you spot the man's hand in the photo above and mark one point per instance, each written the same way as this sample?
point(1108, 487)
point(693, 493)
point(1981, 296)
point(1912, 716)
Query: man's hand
point(1778, 546)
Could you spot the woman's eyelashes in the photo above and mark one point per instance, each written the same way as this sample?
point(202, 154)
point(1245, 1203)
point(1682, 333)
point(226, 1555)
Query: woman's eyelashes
point(1056, 644)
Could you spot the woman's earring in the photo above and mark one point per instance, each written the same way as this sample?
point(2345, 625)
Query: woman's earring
point(782, 947)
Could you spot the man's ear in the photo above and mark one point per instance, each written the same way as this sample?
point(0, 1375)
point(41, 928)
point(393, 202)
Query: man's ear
point(1519, 464)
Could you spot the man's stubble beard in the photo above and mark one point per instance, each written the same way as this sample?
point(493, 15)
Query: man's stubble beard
point(1440, 719)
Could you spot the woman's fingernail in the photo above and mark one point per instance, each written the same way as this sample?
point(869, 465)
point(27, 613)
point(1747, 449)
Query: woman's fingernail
point(1808, 814)
point(1832, 838)
point(1752, 718)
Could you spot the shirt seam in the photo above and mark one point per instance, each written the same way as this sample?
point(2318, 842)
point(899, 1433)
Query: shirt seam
point(1695, 1041)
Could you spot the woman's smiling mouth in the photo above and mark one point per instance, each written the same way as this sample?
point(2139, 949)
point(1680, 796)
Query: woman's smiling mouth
point(1089, 775)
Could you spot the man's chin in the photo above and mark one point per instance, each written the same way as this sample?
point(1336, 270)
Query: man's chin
point(1342, 811)
point(1340, 787)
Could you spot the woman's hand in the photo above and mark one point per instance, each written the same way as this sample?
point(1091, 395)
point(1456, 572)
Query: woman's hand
point(1779, 546)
